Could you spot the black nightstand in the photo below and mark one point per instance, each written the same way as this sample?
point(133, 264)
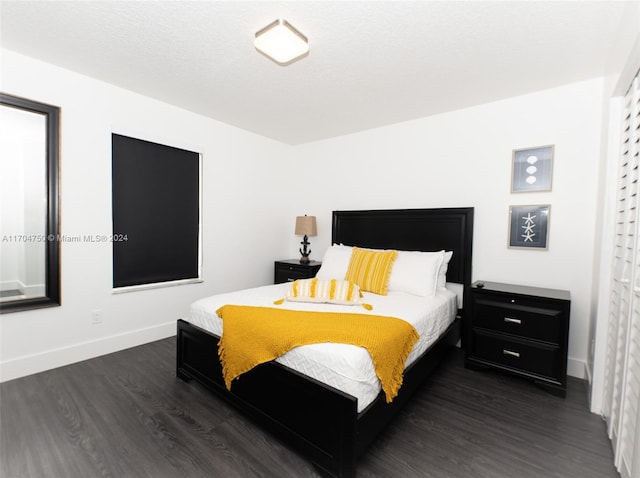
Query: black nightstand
point(522, 330)
point(291, 269)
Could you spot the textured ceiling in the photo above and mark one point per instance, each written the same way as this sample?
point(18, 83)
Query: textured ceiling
point(370, 63)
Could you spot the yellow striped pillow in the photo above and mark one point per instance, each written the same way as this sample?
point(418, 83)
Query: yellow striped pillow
point(332, 291)
point(371, 269)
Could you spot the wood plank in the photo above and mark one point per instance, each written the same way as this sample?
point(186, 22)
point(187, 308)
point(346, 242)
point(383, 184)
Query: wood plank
point(127, 415)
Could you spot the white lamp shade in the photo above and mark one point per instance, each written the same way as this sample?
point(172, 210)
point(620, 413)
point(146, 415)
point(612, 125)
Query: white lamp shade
point(281, 42)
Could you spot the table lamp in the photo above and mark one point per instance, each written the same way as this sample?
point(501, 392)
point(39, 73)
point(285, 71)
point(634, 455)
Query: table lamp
point(305, 226)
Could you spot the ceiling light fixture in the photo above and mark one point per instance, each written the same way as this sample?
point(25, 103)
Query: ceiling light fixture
point(281, 42)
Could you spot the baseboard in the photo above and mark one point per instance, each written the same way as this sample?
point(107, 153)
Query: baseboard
point(37, 290)
point(11, 285)
point(587, 374)
point(576, 368)
point(54, 358)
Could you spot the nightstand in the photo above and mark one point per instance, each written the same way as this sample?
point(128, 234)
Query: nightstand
point(521, 330)
point(291, 269)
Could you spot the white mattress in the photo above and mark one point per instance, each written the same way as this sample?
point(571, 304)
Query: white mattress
point(346, 367)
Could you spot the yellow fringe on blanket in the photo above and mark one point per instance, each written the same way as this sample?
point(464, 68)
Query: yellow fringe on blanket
point(254, 335)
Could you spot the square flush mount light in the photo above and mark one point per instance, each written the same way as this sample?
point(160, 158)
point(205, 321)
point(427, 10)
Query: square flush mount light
point(281, 42)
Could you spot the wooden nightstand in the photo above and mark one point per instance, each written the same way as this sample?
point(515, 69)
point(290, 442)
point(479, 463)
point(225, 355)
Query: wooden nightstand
point(522, 330)
point(291, 269)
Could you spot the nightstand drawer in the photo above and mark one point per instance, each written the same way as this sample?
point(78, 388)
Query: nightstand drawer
point(537, 323)
point(290, 270)
point(289, 274)
point(535, 358)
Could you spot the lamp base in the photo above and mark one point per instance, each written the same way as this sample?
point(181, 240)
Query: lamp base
point(305, 251)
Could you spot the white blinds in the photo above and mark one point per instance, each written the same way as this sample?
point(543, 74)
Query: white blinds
point(622, 379)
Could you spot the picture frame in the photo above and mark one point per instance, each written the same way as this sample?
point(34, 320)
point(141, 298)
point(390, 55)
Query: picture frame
point(529, 226)
point(532, 169)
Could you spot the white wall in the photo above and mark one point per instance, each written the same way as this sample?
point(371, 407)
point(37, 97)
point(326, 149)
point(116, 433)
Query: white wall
point(35, 203)
point(254, 188)
point(22, 200)
point(463, 158)
point(242, 224)
point(11, 206)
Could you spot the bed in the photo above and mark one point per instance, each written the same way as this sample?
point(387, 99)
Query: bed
point(329, 426)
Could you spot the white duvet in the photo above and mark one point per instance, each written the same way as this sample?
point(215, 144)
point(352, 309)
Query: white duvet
point(346, 367)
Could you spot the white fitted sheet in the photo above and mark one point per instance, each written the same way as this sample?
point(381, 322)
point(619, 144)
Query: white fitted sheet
point(346, 367)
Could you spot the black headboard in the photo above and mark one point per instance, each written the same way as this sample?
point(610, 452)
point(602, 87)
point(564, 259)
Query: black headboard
point(450, 229)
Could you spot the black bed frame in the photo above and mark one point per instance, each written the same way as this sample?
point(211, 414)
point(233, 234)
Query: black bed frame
point(317, 420)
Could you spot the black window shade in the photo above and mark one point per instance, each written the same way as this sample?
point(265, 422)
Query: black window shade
point(155, 212)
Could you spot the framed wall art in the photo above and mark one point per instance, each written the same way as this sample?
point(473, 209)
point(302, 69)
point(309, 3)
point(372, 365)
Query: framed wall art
point(532, 169)
point(529, 226)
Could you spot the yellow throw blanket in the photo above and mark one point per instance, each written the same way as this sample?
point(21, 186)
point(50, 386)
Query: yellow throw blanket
point(254, 335)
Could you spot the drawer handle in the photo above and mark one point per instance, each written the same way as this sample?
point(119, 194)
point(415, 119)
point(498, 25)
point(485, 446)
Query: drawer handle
point(289, 279)
point(509, 352)
point(512, 321)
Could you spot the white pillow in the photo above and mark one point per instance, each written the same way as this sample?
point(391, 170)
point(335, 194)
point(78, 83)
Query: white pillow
point(335, 262)
point(416, 272)
point(442, 274)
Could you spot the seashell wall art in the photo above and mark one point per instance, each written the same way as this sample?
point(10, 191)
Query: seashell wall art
point(532, 169)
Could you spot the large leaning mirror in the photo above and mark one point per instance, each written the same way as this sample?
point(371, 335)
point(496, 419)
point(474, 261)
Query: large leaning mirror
point(29, 204)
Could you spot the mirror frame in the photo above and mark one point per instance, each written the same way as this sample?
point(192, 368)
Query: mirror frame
point(52, 252)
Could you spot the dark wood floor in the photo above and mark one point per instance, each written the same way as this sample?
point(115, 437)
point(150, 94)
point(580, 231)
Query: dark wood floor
point(127, 415)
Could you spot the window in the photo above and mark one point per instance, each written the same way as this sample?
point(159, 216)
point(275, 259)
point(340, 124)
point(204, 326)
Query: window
point(156, 213)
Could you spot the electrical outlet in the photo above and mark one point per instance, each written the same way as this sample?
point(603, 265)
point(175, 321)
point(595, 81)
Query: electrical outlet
point(96, 316)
